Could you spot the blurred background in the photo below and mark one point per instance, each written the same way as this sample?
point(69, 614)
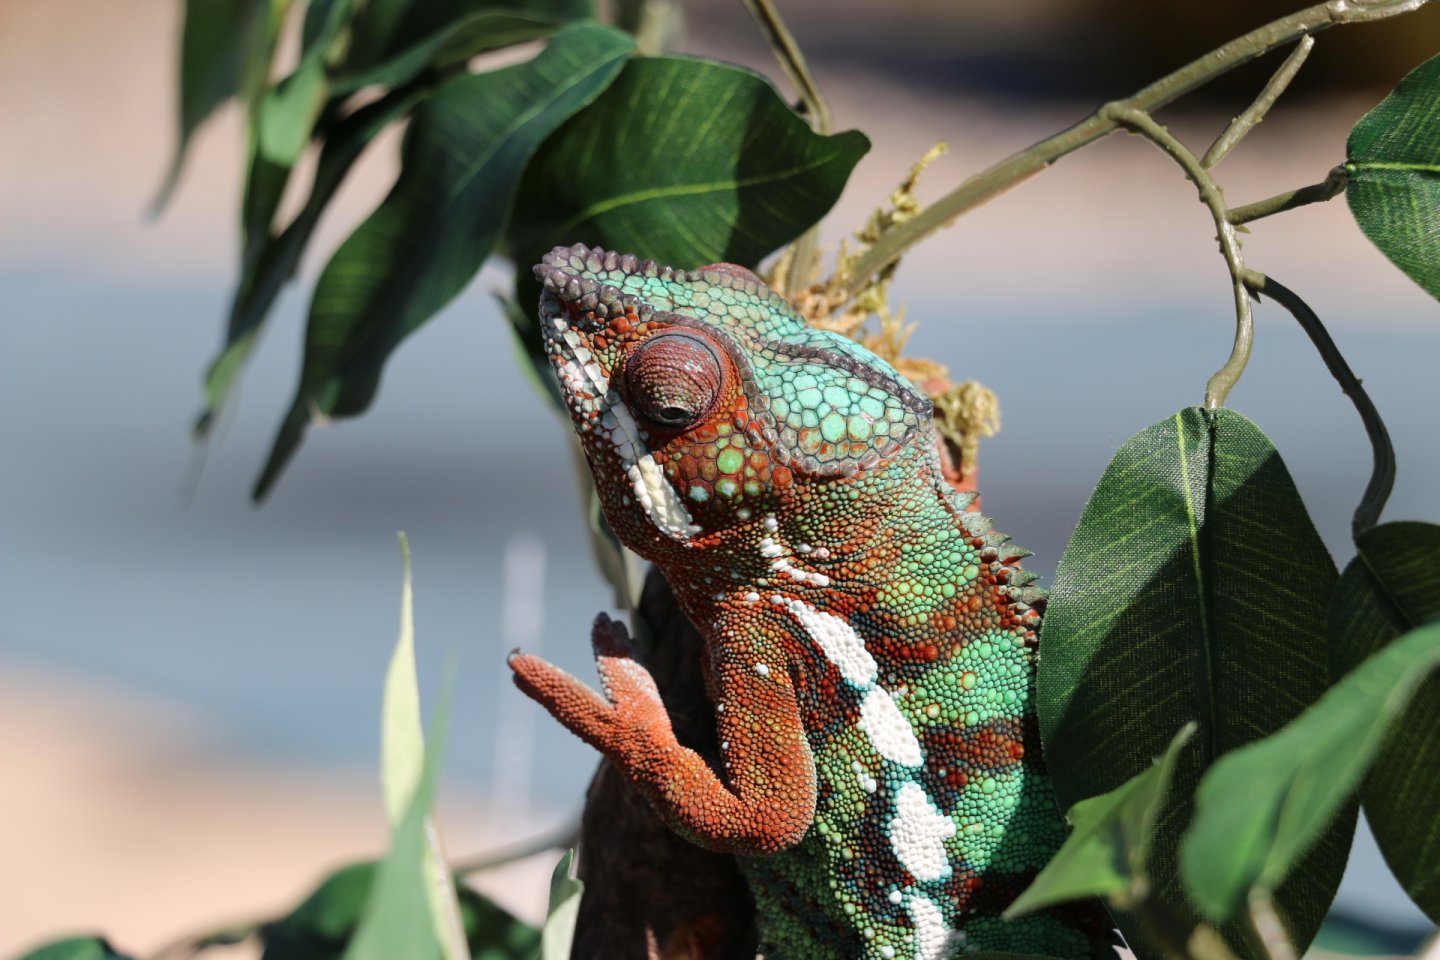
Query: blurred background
point(190, 686)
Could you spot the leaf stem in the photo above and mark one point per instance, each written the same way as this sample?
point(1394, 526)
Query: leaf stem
point(1382, 474)
point(1005, 174)
point(1219, 386)
point(1252, 116)
point(1332, 186)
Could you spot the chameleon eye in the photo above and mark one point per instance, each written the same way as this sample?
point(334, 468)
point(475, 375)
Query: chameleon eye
point(674, 380)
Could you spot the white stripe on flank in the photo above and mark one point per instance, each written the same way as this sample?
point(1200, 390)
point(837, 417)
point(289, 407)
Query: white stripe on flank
point(887, 728)
point(918, 834)
point(934, 940)
point(840, 643)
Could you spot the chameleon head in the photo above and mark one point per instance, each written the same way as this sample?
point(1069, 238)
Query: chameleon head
point(702, 401)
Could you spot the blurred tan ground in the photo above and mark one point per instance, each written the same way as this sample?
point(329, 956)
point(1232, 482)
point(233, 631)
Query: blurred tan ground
point(116, 814)
point(116, 818)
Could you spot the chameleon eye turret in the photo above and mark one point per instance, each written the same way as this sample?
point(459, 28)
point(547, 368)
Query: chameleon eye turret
point(870, 643)
point(673, 380)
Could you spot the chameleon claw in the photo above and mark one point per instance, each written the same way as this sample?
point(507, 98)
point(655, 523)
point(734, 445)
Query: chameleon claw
point(626, 682)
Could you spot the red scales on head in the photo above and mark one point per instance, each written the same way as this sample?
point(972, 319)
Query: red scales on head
point(664, 402)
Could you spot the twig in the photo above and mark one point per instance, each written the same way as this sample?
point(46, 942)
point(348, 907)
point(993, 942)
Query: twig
point(1012, 170)
point(1382, 474)
point(1252, 116)
point(1219, 386)
point(566, 836)
point(1332, 186)
point(194, 944)
point(806, 249)
point(1269, 929)
point(792, 61)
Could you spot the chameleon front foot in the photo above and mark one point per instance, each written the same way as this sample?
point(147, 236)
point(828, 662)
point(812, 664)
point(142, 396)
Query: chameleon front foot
point(625, 723)
point(749, 802)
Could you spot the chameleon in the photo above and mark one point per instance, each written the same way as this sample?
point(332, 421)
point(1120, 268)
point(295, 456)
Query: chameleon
point(870, 641)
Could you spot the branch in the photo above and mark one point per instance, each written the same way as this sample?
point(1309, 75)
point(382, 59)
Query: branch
point(1331, 187)
point(1252, 116)
point(559, 839)
point(1382, 474)
point(1018, 167)
point(1218, 388)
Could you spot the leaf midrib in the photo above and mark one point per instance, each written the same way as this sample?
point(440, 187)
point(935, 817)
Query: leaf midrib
point(636, 197)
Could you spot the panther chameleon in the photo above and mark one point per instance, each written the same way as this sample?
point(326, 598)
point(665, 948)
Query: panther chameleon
point(870, 641)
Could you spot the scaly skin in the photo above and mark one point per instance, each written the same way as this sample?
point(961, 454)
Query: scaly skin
point(871, 644)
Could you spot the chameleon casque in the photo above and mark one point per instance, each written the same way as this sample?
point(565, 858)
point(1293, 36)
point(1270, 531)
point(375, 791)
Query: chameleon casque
point(870, 642)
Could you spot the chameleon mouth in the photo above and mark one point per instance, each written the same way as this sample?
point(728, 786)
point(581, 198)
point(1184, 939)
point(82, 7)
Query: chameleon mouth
point(583, 382)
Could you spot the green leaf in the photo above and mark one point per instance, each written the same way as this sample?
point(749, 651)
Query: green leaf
point(274, 260)
point(75, 948)
point(1260, 808)
point(321, 927)
point(402, 765)
point(1393, 158)
point(1106, 852)
point(565, 892)
point(410, 911)
point(463, 155)
point(225, 51)
point(287, 114)
point(402, 735)
point(1194, 588)
point(1391, 587)
point(686, 161)
point(394, 40)
point(289, 110)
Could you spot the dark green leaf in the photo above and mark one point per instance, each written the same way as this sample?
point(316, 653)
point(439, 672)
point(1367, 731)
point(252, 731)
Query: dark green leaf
point(1194, 588)
point(225, 51)
point(1393, 158)
point(465, 150)
point(1260, 808)
point(75, 948)
point(273, 262)
point(1391, 587)
point(320, 928)
point(565, 892)
point(1106, 852)
point(493, 933)
point(686, 161)
point(395, 40)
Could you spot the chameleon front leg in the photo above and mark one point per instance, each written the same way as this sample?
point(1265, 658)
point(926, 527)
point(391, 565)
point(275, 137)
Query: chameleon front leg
point(760, 801)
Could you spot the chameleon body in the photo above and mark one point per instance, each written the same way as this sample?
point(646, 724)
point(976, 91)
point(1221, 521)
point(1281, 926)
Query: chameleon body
point(870, 641)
